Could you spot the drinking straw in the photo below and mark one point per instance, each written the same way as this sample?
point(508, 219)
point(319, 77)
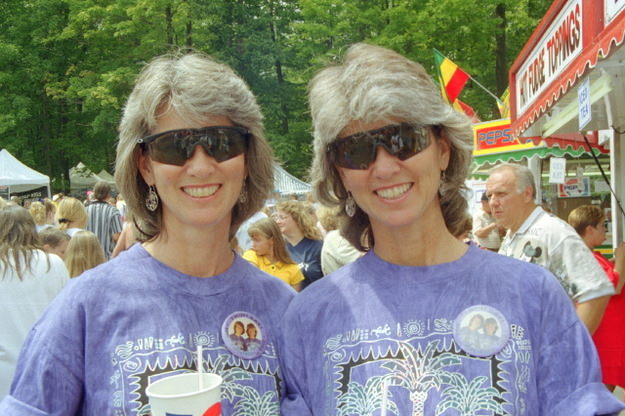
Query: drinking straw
point(200, 366)
point(384, 397)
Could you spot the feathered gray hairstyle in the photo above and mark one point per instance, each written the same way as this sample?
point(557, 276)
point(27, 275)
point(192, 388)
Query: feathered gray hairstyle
point(371, 84)
point(192, 85)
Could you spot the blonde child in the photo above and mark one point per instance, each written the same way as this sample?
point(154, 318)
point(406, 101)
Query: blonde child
point(269, 253)
point(54, 241)
point(83, 252)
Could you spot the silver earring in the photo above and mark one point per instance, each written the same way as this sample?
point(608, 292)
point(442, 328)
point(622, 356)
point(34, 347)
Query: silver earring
point(151, 202)
point(350, 205)
point(243, 195)
point(442, 186)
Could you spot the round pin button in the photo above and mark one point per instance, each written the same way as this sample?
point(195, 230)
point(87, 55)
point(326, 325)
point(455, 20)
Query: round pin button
point(481, 330)
point(244, 335)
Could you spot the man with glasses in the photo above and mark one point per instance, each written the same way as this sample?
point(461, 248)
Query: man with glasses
point(538, 237)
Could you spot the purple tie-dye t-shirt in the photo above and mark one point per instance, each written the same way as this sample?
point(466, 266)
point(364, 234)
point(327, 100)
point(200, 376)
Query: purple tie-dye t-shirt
point(133, 320)
point(483, 335)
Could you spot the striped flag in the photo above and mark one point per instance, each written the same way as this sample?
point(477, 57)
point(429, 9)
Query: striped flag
point(466, 109)
point(504, 104)
point(452, 79)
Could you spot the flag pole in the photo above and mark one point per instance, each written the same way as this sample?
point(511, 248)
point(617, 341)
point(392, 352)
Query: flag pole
point(486, 89)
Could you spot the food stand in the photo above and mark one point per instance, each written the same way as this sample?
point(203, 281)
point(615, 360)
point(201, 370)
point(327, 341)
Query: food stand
point(570, 78)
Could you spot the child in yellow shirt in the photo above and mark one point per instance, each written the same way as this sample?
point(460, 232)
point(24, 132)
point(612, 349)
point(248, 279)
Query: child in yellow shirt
point(269, 253)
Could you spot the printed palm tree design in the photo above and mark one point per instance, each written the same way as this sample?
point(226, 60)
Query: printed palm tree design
point(418, 372)
point(253, 404)
point(468, 397)
point(364, 400)
point(229, 387)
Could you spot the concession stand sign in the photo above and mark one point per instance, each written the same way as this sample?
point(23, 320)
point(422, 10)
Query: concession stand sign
point(578, 42)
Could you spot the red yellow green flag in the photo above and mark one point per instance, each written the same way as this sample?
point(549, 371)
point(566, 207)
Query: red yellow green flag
point(504, 104)
point(452, 78)
point(466, 109)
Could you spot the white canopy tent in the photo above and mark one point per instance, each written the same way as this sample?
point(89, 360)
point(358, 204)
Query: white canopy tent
point(82, 178)
point(18, 177)
point(287, 184)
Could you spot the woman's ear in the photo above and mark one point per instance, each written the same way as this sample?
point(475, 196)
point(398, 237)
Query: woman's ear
point(444, 152)
point(145, 168)
point(587, 229)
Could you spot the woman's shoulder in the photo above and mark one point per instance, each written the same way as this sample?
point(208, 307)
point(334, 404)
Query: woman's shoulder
point(502, 270)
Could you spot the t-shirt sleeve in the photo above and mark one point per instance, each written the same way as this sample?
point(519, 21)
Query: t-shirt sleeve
point(586, 278)
point(569, 376)
point(48, 377)
point(292, 361)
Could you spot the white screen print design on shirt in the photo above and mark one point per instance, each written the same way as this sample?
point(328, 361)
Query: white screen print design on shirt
point(142, 361)
point(419, 360)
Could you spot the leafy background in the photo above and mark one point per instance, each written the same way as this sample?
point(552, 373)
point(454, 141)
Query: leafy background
point(67, 66)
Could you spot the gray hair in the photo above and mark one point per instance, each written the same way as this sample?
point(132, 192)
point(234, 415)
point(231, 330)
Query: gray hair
point(194, 86)
point(371, 84)
point(523, 175)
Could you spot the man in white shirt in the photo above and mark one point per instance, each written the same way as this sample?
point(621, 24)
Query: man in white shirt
point(539, 237)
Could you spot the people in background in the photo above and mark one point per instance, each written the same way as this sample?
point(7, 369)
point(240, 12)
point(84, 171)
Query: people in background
point(589, 222)
point(83, 252)
point(71, 215)
point(269, 253)
point(382, 335)
point(336, 251)
point(544, 239)
point(193, 164)
point(303, 238)
point(43, 213)
point(29, 280)
point(104, 219)
point(126, 239)
point(243, 238)
point(54, 241)
point(486, 232)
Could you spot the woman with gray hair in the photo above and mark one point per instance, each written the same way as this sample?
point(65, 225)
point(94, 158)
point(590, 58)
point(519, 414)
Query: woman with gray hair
point(383, 334)
point(193, 164)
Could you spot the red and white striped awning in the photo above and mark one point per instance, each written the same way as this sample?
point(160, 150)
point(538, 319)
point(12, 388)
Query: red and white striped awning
point(576, 39)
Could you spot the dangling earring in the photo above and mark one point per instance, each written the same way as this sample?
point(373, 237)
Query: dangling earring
point(442, 186)
point(243, 195)
point(350, 205)
point(151, 202)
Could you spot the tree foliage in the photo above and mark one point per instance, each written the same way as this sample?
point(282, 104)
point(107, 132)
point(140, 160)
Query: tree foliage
point(67, 66)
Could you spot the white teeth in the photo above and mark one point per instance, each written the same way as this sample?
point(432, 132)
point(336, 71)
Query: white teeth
point(201, 192)
point(392, 193)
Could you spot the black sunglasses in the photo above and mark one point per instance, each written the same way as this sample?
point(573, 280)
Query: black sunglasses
point(175, 147)
point(359, 150)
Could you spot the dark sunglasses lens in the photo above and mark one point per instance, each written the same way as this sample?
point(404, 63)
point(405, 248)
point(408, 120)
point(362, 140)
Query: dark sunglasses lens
point(225, 144)
point(359, 151)
point(411, 141)
point(177, 147)
point(355, 152)
point(168, 149)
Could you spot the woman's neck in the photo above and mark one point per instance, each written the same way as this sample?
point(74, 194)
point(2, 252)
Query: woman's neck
point(425, 244)
point(193, 254)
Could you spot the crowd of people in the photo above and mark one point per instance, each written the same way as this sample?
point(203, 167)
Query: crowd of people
point(379, 294)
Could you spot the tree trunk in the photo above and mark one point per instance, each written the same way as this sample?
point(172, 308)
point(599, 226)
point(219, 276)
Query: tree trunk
point(501, 69)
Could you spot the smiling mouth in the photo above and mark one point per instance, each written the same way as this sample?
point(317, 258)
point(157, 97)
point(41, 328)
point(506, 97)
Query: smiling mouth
point(394, 192)
point(201, 191)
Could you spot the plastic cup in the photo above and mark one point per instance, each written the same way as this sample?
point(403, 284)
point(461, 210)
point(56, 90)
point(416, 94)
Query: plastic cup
point(181, 395)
